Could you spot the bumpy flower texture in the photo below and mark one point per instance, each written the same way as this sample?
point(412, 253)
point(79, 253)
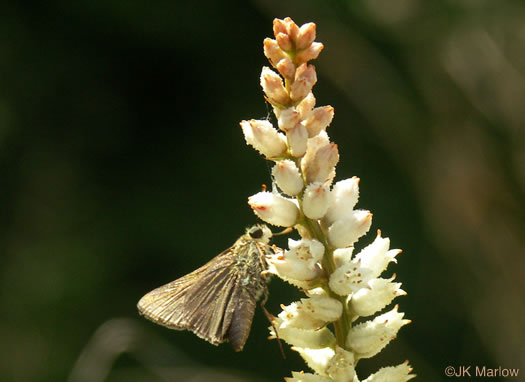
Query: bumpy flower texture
point(341, 287)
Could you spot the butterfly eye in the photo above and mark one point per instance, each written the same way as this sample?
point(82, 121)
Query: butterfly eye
point(256, 233)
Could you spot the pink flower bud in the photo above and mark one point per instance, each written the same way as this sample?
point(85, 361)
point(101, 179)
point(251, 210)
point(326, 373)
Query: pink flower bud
point(287, 177)
point(346, 231)
point(311, 53)
point(318, 164)
point(306, 105)
point(305, 36)
point(288, 119)
point(274, 209)
point(273, 87)
point(297, 140)
point(279, 26)
point(286, 67)
point(284, 41)
point(319, 120)
point(272, 51)
point(315, 200)
point(305, 79)
point(264, 138)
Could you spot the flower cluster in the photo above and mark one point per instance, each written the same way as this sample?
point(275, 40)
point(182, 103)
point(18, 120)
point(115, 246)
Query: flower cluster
point(340, 286)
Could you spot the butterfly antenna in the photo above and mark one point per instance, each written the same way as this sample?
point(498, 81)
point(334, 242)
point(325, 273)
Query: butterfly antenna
point(283, 232)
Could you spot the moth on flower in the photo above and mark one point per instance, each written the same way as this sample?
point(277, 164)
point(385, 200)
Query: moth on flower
point(217, 301)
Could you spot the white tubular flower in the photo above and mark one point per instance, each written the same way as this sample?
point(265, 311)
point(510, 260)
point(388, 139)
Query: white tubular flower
point(376, 256)
point(303, 338)
point(274, 209)
point(343, 256)
point(344, 196)
point(316, 200)
point(273, 87)
point(264, 138)
point(341, 366)
point(287, 177)
point(306, 377)
point(311, 313)
point(346, 231)
point(316, 359)
point(297, 140)
point(399, 373)
point(319, 119)
point(370, 337)
point(349, 278)
point(377, 294)
point(305, 79)
point(300, 262)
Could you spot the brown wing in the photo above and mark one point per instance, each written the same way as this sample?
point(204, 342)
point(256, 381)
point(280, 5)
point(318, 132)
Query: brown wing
point(200, 301)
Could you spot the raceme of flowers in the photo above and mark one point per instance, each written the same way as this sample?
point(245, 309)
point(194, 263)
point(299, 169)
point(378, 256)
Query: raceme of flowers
point(340, 286)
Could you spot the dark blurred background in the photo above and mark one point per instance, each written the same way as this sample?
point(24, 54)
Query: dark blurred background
point(123, 167)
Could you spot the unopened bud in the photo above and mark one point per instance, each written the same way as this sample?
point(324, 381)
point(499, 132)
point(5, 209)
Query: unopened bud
point(319, 119)
point(288, 118)
point(306, 105)
point(284, 41)
point(264, 138)
point(287, 177)
point(297, 140)
point(320, 166)
point(272, 51)
point(346, 231)
point(305, 36)
point(286, 67)
point(310, 53)
point(274, 209)
point(305, 79)
point(273, 87)
point(316, 199)
point(344, 195)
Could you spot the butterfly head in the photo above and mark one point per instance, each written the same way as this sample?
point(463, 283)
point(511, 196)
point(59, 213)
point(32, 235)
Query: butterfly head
point(260, 233)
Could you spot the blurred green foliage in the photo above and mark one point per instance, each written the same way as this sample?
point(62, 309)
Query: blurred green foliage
point(123, 167)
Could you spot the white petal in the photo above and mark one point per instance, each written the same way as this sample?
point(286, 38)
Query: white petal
point(316, 359)
point(341, 366)
point(375, 296)
point(370, 337)
point(306, 377)
point(399, 373)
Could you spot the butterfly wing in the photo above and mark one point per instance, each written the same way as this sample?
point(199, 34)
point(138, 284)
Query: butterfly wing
point(201, 301)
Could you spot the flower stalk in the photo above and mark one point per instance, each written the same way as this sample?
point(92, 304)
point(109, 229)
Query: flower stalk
point(341, 287)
